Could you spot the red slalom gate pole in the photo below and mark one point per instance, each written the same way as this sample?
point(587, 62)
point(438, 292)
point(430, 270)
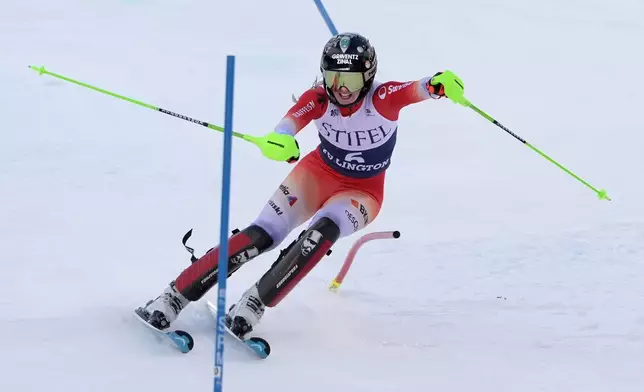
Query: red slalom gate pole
point(379, 235)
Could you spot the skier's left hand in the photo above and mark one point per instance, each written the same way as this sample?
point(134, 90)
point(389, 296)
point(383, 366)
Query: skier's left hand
point(450, 85)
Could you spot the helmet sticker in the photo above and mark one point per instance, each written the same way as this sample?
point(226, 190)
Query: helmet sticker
point(345, 58)
point(344, 44)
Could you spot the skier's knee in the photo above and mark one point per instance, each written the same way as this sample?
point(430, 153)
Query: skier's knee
point(348, 217)
point(277, 229)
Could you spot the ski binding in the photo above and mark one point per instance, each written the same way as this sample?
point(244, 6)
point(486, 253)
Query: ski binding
point(181, 339)
point(257, 345)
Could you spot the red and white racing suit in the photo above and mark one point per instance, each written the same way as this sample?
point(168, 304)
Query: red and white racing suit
point(343, 178)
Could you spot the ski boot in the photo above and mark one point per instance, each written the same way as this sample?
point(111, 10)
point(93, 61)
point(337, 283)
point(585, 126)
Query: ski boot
point(245, 314)
point(163, 310)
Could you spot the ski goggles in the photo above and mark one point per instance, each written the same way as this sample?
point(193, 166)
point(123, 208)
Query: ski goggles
point(353, 81)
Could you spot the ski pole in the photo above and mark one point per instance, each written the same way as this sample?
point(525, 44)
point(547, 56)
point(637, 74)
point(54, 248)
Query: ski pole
point(601, 194)
point(453, 86)
point(260, 142)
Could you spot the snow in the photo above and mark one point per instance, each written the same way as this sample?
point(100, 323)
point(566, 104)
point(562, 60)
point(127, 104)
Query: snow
point(509, 274)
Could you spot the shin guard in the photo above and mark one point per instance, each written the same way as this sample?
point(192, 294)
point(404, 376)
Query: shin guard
point(202, 275)
point(298, 261)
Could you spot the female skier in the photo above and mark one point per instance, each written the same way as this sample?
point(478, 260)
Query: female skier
point(340, 182)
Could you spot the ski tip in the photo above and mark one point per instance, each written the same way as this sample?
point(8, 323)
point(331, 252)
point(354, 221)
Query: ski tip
point(183, 340)
point(259, 346)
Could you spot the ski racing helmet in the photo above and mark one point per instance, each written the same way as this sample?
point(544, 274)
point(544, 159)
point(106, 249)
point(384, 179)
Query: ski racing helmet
point(348, 60)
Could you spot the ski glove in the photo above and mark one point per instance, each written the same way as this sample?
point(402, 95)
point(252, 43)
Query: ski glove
point(436, 91)
point(279, 147)
point(448, 84)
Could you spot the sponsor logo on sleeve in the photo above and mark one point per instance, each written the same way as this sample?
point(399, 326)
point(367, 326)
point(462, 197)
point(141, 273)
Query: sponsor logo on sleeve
point(382, 92)
point(393, 89)
point(304, 109)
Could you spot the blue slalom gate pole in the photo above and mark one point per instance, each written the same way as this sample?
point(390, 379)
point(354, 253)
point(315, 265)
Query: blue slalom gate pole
point(326, 17)
point(223, 228)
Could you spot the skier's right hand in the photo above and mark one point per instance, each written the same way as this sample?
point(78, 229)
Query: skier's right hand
point(280, 147)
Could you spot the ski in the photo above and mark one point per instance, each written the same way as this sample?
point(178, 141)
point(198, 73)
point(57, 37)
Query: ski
point(256, 345)
point(182, 340)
